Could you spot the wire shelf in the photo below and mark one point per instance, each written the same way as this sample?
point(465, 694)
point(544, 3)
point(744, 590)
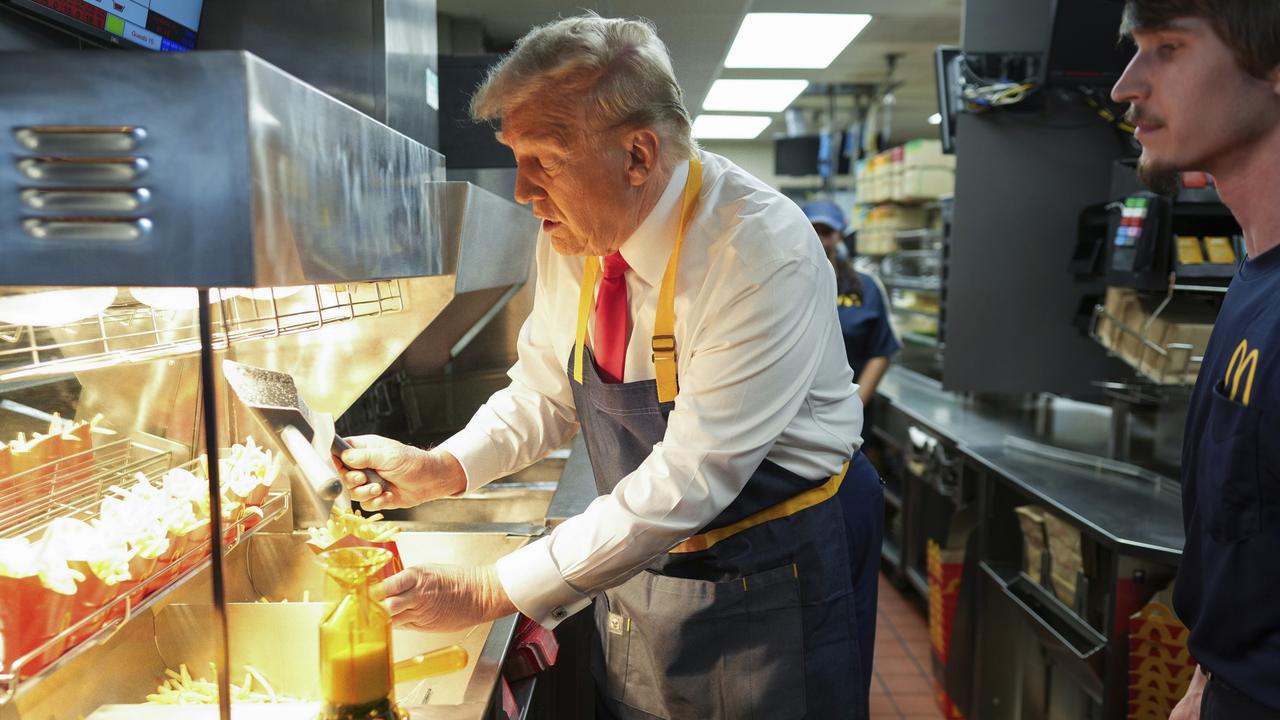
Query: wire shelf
point(74, 485)
point(116, 468)
point(916, 312)
point(1171, 364)
point(131, 331)
point(919, 283)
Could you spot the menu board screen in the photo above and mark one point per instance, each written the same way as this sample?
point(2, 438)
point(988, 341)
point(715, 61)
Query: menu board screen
point(154, 24)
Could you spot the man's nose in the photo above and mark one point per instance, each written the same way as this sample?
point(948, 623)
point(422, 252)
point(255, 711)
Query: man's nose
point(1132, 85)
point(527, 190)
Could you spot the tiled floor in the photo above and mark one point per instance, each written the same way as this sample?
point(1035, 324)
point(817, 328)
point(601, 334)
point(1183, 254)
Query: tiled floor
point(903, 687)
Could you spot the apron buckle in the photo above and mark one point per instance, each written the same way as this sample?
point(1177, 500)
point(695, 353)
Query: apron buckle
point(618, 625)
point(663, 345)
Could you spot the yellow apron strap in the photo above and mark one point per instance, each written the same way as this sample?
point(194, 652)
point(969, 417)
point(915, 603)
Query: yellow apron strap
point(790, 506)
point(590, 268)
point(664, 321)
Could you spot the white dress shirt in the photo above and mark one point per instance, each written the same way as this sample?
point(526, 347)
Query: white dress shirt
point(762, 374)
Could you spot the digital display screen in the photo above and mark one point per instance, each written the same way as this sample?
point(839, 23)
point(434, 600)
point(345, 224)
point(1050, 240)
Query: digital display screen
point(168, 25)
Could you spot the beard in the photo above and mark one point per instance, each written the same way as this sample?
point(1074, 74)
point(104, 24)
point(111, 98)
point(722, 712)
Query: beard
point(1160, 178)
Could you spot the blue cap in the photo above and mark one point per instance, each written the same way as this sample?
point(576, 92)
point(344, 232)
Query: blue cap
point(824, 212)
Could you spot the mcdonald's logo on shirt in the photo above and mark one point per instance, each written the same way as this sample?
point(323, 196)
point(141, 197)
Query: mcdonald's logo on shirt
point(1243, 366)
point(848, 301)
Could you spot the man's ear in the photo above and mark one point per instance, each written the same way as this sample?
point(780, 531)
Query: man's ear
point(642, 147)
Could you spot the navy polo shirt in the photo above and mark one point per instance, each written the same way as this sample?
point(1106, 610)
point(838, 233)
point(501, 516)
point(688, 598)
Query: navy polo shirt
point(1228, 587)
point(864, 322)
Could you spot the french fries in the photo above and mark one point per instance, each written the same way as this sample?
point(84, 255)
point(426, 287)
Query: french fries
point(343, 523)
point(182, 689)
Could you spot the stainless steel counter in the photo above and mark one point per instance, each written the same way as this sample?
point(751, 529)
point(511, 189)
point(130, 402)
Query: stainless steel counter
point(1077, 426)
point(1143, 517)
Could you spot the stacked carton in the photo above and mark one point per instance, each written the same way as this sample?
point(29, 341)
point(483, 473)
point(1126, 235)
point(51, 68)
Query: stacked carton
point(1066, 561)
point(916, 171)
point(1160, 666)
point(923, 172)
point(878, 234)
point(1178, 324)
point(1035, 541)
point(1053, 545)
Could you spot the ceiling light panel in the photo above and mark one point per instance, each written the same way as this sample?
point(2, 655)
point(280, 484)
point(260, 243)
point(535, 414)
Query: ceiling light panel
point(753, 95)
point(729, 127)
point(793, 40)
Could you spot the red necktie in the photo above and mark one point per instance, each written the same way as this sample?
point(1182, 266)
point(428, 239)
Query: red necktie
point(612, 318)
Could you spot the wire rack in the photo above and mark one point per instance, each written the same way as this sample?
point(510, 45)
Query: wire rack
point(132, 331)
point(76, 486)
point(1171, 364)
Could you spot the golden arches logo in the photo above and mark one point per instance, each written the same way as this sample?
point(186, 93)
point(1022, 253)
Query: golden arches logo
point(1242, 360)
point(849, 301)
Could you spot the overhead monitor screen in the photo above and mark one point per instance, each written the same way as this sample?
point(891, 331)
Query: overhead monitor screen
point(153, 24)
point(1085, 46)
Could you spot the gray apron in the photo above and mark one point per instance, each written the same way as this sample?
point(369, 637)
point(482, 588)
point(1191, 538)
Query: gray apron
point(760, 625)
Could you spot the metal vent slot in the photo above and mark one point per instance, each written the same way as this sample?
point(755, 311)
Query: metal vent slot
point(79, 138)
point(93, 229)
point(82, 169)
point(85, 200)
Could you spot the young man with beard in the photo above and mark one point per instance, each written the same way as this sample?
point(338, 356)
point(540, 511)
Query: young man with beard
point(1204, 90)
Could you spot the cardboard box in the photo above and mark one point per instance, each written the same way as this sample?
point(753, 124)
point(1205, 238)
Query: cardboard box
point(1065, 559)
point(1116, 304)
point(1175, 327)
point(1160, 666)
point(1035, 542)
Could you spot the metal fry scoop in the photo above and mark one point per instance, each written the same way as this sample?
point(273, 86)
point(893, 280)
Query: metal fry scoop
point(274, 398)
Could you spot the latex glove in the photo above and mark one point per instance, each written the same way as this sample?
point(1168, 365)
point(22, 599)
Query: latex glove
point(1188, 708)
point(442, 598)
point(414, 476)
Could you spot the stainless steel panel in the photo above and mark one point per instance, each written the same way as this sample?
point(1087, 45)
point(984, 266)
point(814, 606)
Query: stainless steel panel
point(495, 238)
point(499, 181)
point(338, 195)
point(258, 178)
point(410, 50)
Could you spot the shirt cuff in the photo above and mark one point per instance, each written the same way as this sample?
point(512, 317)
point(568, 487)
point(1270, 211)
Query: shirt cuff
point(534, 583)
point(477, 455)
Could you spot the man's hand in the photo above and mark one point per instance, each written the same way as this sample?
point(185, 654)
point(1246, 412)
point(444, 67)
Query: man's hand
point(442, 598)
point(414, 476)
point(1188, 708)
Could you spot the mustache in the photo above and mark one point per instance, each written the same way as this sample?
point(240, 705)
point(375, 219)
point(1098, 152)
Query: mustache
point(1138, 116)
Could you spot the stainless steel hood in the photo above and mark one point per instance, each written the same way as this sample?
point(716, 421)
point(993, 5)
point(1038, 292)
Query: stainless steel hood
point(202, 169)
point(219, 170)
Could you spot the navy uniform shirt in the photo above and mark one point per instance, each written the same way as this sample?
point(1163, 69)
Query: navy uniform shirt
point(1228, 587)
point(866, 327)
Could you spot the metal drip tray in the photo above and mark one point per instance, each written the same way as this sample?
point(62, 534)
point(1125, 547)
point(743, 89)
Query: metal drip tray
point(512, 503)
point(515, 504)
